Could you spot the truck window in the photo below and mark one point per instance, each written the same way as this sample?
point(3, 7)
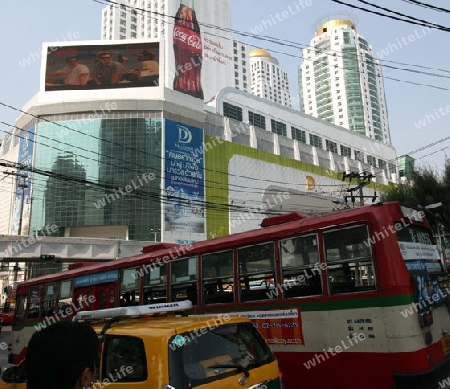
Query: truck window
point(198, 358)
point(124, 359)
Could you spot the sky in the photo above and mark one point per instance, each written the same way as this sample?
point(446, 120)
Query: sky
point(418, 115)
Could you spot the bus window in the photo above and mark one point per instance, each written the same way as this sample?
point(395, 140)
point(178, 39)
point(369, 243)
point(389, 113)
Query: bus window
point(101, 300)
point(111, 298)
point(49, 300)
point(256, 272)
point(183, 280)
point(300, 269)
point(21, 308)
point(155, 284)
point(35, 302)
point(217, 277)
point(129, 287)
point(65, 296)
point(349, 260)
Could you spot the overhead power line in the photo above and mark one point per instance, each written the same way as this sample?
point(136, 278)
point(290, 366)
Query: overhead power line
point(430, 24)
point(425, 5)
point(427, 24)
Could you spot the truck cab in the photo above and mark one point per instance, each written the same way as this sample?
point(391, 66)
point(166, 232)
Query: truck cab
point(157, 346)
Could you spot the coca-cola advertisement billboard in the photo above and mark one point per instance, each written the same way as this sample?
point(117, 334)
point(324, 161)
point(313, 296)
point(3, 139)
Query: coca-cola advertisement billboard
point(201, 56)
point(102, 66)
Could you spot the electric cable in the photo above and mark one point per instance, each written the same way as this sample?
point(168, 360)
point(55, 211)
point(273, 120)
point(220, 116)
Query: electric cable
point(427, 24)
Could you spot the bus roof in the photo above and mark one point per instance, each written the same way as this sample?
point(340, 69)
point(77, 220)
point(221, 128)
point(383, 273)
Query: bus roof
point(385, 211)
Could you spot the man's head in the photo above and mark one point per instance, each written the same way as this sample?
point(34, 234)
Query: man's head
point(105, 57)
point(72, 61)
point(62, 356)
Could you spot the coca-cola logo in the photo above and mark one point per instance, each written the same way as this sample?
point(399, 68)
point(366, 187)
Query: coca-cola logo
point(188, 37)
point(195, 41)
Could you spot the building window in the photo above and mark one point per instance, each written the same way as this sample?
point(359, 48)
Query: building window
point(315, 140)
point(372, 161)
point(257, 120)
point(331, 146)
point(346, 151)
point(232, 111)
point(278, 127)
point(359, 156)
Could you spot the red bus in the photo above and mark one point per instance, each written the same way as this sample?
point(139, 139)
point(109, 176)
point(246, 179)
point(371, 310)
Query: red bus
point(357, 298)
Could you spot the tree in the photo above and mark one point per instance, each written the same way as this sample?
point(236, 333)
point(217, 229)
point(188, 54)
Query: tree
point(428, 187)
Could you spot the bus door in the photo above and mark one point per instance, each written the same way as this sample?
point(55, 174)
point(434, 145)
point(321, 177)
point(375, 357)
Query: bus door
point(85, 298)
point(106, 296)
point(97, 290)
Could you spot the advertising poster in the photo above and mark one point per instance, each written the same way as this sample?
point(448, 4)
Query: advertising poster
point(103, 66)
point(278, 327)
point(184, 188)
point(201, 60)
point(26, 146)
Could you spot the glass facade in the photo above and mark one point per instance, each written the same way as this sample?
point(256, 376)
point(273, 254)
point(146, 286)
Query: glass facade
point(353, 88)
point(323, 89)
point(98, 172)
point(374, 97)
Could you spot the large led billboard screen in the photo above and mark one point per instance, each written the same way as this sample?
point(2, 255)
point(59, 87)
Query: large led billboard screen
point(102, 66)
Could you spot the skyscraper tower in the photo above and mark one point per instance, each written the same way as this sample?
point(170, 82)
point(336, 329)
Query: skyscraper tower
point(242, 75)
point(341, 81)
point(269, 80)
point(134, 19)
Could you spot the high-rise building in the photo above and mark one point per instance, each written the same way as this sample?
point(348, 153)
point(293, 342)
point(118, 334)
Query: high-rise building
point(134, 19)
point(269, 80)
point(341, 81)
point(242, 75)
point(406, 165)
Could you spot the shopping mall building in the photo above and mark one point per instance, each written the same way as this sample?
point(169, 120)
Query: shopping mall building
point(179, 156)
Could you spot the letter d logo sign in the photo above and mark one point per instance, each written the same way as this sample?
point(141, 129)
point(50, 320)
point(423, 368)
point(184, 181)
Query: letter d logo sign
point(184, 135)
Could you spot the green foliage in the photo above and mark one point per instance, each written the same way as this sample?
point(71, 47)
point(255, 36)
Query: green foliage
point(428, 188)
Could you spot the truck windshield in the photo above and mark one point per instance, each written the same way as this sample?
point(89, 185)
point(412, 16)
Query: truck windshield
point(203, 356)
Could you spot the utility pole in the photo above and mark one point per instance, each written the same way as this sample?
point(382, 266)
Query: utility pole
point(362, 179)
point(22, 185)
